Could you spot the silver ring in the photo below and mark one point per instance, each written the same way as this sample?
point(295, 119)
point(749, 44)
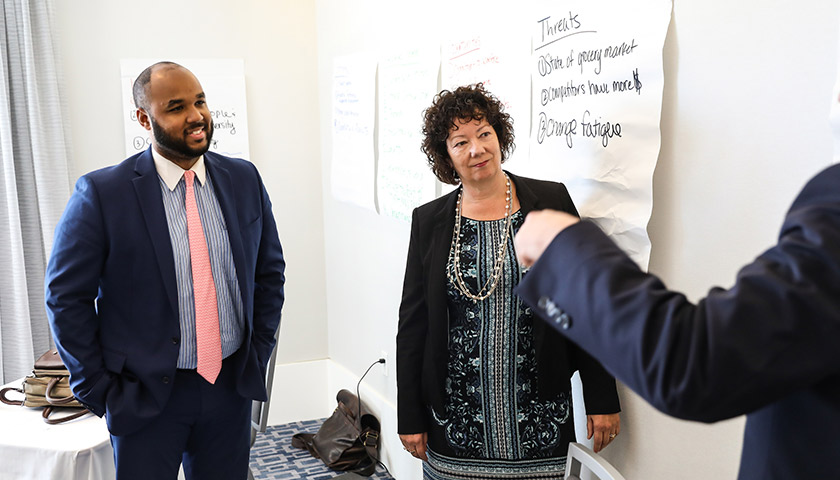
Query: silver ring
point(612, 435)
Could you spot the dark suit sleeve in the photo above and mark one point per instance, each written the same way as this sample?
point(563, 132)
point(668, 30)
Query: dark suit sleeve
point(411, 339)
point(773, 332)
point(72, 281)
point(269, 280)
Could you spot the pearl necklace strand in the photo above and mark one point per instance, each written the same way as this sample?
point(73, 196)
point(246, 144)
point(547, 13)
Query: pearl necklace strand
point(455, 252)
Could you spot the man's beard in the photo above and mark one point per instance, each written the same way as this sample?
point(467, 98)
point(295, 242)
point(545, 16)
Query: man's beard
point(179, 145)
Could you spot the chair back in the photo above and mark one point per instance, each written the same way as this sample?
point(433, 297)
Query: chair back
point(259, 410)
point(580, 456)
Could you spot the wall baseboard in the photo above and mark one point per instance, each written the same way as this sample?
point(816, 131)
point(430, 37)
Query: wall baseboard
point(300, 392)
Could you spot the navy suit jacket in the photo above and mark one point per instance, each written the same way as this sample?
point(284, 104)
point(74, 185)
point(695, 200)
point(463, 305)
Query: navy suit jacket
point(111, 289)
point(768, 347)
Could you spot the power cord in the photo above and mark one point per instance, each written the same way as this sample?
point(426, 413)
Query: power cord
point(381, 360)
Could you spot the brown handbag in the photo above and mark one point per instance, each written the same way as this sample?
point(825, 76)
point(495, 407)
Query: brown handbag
point(348, 440)
point(48, 386)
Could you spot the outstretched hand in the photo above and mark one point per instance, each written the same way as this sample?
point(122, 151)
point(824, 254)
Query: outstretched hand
point(537, 232)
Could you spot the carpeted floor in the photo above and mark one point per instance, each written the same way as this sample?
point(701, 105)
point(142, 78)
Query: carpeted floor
point(274, 458)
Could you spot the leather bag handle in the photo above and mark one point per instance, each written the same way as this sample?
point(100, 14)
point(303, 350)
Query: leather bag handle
point(8, 401)
point(48, 411)
point(53, 400)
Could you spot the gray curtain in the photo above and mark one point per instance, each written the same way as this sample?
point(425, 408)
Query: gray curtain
point(34, 177)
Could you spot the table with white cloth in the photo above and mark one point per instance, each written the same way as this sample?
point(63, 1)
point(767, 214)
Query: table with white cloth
point(30, 449)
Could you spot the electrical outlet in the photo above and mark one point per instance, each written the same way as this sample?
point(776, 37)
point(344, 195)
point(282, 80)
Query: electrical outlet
point(383, 354)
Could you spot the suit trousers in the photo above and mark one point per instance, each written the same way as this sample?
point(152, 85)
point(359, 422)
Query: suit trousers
point(207, 427)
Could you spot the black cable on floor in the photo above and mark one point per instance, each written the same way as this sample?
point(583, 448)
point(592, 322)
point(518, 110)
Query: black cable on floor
point(359, 396)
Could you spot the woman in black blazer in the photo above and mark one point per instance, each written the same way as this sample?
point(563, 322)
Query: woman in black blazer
point(480, 388)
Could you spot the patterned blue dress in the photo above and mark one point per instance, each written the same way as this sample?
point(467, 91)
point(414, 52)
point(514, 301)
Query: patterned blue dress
point(494, 424)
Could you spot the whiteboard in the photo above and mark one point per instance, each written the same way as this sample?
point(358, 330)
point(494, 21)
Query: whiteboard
point(499, 59)
point(597, 80)
point(407, 80)
point(353, 122)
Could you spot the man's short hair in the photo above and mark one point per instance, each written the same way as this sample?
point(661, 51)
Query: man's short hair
point(141, 85)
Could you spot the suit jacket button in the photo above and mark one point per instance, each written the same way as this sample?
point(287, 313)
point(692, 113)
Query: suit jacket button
point(549, 307)
point(176, 340)
point(165, 379)
point(564, 320)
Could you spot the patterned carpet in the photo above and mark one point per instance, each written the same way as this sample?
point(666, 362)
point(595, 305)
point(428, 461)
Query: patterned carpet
point(274, 458)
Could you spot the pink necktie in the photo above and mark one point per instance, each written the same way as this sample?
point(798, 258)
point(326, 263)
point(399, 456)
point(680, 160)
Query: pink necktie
point(208, 342)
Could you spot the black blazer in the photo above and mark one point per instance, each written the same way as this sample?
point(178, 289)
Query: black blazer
point(423, 333)
point(768, 347)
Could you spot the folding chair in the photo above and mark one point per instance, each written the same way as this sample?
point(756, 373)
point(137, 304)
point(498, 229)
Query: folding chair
point(259, 410)
point(580, 456)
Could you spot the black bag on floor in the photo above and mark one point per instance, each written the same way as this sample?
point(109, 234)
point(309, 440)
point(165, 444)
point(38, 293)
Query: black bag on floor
point(348, 440)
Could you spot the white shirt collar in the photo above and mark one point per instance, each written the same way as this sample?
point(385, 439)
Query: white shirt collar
point(171, 173)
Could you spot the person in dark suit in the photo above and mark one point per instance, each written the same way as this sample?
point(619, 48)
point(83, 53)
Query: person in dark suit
point(477, 378)
point(766, 347)
point(164, 304)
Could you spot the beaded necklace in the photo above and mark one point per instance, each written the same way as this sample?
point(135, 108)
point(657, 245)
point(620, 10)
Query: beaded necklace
point(455, 252)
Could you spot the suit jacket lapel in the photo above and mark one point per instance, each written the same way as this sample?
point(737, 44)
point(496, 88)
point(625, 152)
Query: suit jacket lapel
point(227, 202)
point(443, 221)
point(443, 218)
point(528, 200)
point(147, 189)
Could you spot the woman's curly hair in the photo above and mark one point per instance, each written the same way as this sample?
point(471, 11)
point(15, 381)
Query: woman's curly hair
point(467, 103)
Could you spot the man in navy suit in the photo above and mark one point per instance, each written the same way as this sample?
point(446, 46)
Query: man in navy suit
point(768, 347)
point(119, 291)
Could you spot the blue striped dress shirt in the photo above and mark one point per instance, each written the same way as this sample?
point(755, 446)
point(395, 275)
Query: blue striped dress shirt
point(228, 296)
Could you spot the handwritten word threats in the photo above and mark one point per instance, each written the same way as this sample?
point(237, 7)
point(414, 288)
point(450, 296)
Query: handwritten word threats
point(554, 29)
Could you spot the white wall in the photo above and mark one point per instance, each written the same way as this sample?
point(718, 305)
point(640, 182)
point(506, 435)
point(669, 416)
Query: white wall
point(744, 125)
point(277, 42)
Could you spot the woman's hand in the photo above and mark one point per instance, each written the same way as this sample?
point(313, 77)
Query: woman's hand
point(415, 444)
point(602, 429)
